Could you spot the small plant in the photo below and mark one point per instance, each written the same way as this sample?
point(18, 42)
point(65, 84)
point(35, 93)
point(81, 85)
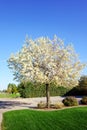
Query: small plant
point(41, 105)
point(70, 101)
point(84, 100)
point(57, 105)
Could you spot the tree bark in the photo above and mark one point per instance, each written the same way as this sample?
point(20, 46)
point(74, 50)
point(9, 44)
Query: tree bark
point(47, 96)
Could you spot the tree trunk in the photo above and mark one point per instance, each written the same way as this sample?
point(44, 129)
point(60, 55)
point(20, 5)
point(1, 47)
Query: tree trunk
point(47, 96)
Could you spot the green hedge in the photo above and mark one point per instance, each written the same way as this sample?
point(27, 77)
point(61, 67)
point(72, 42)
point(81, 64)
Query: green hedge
point(29, 89)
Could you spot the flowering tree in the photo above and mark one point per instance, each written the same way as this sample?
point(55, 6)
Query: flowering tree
point(45, 60)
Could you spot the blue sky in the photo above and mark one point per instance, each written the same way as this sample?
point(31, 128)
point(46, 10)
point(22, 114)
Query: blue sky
point(18, 18)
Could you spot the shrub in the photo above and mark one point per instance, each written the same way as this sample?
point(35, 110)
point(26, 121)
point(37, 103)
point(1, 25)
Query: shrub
point(57, 105)
point(41, 105)
point(70, 101)
point(84, 100)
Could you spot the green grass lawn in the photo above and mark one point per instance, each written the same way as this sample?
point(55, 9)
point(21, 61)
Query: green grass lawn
point(6, 95)
point(68, 119)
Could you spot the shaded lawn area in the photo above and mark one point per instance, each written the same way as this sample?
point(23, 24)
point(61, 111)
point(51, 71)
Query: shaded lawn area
point(68, 119)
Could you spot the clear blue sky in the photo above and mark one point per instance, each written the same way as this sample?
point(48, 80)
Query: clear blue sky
point(65, 18)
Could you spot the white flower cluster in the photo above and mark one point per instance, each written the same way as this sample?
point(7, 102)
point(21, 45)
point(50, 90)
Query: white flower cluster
point(44, 60)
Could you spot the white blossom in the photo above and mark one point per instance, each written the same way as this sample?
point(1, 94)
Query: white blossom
point(45, 60)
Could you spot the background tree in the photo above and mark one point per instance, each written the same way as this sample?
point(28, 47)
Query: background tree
point(83, 82)
point(44, 60)
point(9, 88)
point(80, 89)
point(82, 86)
point(12, 88)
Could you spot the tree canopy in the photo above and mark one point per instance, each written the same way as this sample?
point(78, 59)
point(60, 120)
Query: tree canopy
point(45, 60)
